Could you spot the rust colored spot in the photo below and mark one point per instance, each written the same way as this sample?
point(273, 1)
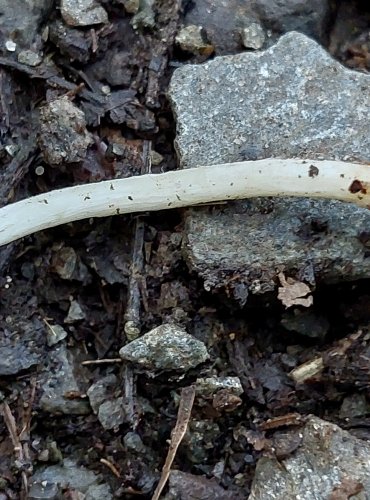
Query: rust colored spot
point(357, 187)
point(313, 171)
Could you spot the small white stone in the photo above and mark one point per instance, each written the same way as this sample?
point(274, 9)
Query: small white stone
point(10, 46)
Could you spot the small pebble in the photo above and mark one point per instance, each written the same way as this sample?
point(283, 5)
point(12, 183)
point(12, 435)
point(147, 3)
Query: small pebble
point(82, 12)
point(191, 39)
point(167, 347)
point(29, 57)
point(253, 36)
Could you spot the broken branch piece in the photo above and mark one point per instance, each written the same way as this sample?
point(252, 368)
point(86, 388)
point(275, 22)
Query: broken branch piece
point(338, 180)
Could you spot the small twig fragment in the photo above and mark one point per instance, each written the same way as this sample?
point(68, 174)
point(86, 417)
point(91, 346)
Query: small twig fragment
point(183, 417)
point(110, 466)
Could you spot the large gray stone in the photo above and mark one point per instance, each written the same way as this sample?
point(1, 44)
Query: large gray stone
point(292, 100)
point(329, 463)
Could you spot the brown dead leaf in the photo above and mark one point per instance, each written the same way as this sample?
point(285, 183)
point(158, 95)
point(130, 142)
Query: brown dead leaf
point(294, 293)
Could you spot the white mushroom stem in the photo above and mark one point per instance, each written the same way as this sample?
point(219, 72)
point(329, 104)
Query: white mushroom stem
point(182, 188)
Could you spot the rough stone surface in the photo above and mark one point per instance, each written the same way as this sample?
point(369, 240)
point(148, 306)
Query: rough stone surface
point(70, 475)
point(305, 323)
point(208, 386)
point(191, 39)
point(222, 20)
point(82, 12)
point(112, 413)
point(27, 16)
point(44, 491)
point(329, 463)
point(184, 485)
point(292, 100)
point(101, 390)
point(55, 334)
point(59, 380)
point(131, 6)
point(167, 347)
point(145, 17)
point(253, 36)
point(29, 57)
point(310, 17)
point(22, 345)
point(63, 136)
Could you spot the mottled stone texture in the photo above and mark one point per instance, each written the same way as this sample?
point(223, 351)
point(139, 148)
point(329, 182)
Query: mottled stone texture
point(328, 463)
point(292, 100)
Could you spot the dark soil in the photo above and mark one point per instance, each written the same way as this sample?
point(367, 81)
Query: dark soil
point(132, 269)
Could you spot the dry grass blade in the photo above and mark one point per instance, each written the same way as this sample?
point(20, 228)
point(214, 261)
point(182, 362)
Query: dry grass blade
point(183, 417)
point(11, 425)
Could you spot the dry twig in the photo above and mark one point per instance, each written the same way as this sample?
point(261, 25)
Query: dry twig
point(183, 417)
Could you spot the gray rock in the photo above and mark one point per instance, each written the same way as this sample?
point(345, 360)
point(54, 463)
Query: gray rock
point(109, 409)
point(73, 43)
point(29, 57)
point(253, 36)
point(22, 18)
point(67, 264)
point(199, 439)
point(132, 442)
point(63, 375)
point(191, 39)
point(328, 461)
point(112, 413)
point(355, 405)
point(310, 17)
point(55, 334)
point(144, 17)
point(82, 12)
point(131, 6)
point(184, 485)
point(156, 158)
point(305, 323)
point(44, 491)
point(222, 21)
point(292, 100)
point(167, 347)
point(101, 390)
point(75, 313)
point(208, 386)
point(71, 475)
point(99, 492)
point(63, 134)
point(22, 345)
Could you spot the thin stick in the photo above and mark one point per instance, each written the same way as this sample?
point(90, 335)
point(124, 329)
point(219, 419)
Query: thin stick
point(271, 177)
point(11, 425)
point(132, 327)
point(183, 417)
point(101, 361)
